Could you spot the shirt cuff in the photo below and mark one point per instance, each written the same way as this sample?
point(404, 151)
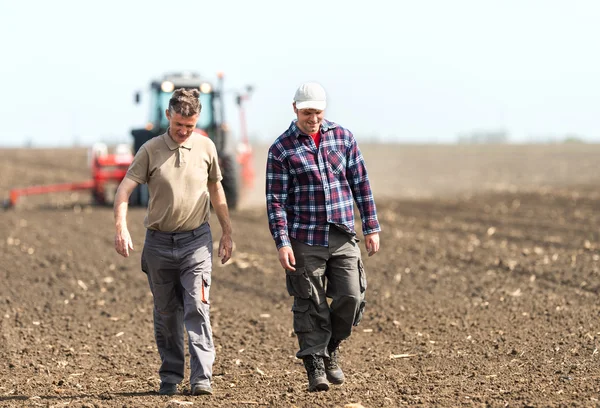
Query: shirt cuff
point(371, 226)
point(282, 240)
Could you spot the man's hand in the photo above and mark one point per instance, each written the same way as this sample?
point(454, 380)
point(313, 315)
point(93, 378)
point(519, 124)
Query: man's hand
point(219, 203)
point(123, 242)
point(286, 258)
point(225, 248)
point(372, 243)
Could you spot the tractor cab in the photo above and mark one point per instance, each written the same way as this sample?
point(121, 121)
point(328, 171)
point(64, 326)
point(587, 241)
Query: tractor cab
point(211, 124)
point(162, 92)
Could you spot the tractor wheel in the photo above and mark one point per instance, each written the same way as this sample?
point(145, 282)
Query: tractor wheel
point(134, 198)
point(139, 196)
point(98, 196)
point(230, 182)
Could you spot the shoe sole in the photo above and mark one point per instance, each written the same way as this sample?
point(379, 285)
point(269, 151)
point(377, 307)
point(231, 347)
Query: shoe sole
point(320, 387)
point(335, 380)
point(202, 392)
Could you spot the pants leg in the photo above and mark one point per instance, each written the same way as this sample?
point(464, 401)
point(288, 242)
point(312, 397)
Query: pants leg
point(312, 324)
point(163, 278)
point(334, 272)
point(196, 279)
point(344, 273)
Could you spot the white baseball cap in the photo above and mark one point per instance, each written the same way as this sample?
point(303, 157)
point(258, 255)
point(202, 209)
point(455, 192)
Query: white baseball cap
point(310, 95)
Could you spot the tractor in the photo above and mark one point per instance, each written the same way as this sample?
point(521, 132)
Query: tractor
point(109, 169)
point(233, 160)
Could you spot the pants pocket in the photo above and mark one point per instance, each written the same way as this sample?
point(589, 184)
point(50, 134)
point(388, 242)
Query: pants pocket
point(206, 280)
point(362, 276)
point(302, 319)
point(360, 312)
point(298, 284)
point(144, 262)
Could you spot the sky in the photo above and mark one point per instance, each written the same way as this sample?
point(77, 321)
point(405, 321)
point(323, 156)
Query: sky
point(395, 71)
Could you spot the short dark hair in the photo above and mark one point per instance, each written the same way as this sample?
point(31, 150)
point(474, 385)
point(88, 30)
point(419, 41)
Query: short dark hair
point(185, 102)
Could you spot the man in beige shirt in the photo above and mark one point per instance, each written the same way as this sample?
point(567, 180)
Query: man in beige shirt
point(183, 176)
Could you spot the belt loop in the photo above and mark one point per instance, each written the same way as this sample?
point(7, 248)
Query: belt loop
point(152, 232)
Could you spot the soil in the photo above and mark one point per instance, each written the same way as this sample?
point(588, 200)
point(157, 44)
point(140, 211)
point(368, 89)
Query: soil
point(485, 292)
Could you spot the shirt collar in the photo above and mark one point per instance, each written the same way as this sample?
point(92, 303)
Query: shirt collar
point(325, 126)
point(173, 145)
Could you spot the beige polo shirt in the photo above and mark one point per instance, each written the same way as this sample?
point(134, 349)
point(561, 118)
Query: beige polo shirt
point(177, 178)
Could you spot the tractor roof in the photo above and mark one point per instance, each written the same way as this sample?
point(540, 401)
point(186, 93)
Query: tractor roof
point(182, 80)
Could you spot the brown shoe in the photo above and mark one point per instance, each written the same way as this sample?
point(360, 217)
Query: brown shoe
point(334, 372)
point(315, 369)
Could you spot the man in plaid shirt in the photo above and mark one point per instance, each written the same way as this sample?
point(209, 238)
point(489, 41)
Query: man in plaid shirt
point(315, 174)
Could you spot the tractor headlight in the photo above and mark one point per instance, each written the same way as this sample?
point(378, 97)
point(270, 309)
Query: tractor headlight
point(167, 86)
point(205, 88)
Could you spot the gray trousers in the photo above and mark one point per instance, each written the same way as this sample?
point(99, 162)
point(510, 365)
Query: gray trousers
point(179, 266)
point(334, 272)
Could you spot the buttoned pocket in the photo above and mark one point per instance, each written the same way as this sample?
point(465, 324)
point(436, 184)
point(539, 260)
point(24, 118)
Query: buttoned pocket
point(298, 283)
point(302, 321)
point(336, 161)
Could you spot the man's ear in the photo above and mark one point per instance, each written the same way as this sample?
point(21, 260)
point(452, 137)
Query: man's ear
point(168, 114)
point(295, 110)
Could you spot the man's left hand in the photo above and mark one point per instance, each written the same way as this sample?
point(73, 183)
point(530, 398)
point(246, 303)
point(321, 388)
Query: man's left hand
point(372, 243)
point(225, 248)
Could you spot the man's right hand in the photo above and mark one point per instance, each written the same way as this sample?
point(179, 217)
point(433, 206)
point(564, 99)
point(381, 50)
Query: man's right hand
point(286, 258)
point(123, 242)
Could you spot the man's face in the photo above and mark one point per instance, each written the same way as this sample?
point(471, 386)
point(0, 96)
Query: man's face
point(181, 127)
point(309, 120)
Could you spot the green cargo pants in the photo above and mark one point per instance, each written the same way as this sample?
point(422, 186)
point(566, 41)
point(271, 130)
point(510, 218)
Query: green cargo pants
point(335, 272)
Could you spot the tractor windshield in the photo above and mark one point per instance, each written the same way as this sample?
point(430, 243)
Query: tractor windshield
point(206, 119)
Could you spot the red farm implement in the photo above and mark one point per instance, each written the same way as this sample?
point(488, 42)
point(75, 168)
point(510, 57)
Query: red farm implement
point(107, 169)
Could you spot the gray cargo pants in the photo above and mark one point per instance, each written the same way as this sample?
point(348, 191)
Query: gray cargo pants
point(179, 273)
point(334, 272)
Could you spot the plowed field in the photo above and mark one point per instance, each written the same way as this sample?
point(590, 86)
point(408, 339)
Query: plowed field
point(485, 292)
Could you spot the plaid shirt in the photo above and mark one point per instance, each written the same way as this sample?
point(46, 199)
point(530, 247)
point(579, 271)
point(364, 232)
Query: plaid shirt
point(309, 189)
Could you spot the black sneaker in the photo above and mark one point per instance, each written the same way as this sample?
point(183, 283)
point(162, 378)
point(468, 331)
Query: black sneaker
point(315, 369)
point(167, 388)
point(334, 372)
